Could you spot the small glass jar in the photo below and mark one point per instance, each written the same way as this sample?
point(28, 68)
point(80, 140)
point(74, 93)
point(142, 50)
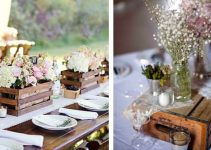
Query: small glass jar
point(179, 140)
point(155, 87)
point(3, 111)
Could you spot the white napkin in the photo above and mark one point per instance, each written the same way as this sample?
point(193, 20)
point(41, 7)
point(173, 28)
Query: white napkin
point(2, 147)
point(78, 114)
point(96, 104)
point(49, 120)
point(36, 140)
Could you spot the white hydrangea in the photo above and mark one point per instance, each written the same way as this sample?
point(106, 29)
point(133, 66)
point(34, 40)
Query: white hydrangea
point(78, 62)
point(6, 76)
point(50, 74)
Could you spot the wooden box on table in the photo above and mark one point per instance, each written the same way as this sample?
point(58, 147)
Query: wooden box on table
point(21, 101)
point(104, 75)
point(195, 118)
point(85, 81)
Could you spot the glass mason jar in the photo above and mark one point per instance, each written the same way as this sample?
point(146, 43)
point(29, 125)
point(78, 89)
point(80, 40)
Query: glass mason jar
point(181, 82)
point(154, 86)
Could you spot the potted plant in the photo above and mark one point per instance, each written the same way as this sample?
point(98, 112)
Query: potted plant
point(71, 92)
point(157, 76)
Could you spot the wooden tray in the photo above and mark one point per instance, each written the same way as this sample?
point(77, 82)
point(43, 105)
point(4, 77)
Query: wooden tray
point(85, 81)
point(28, 99)
point(59, 140)
point(195, 118)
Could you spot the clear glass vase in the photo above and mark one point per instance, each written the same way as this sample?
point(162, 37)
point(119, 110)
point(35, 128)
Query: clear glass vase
point(154, 87)
point(181, 81)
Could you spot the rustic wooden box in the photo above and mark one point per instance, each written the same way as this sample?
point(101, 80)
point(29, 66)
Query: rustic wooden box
point(21, 101)
point(85, 81)
point(195, 118)
point(71, 94)
point(105, 67)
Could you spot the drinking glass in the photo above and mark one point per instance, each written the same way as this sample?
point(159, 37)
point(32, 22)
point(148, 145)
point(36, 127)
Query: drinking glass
point(141, 116)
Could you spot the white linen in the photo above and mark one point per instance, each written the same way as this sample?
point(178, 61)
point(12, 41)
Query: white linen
point(2, 147)
point(26, 139)
point(79, 114)
point(96, 104)
point(49, 120)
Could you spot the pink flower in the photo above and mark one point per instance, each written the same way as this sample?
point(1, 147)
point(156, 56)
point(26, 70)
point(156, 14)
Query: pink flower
point(207, 9)
point(36, 69)
point(48, 64)
point(18, 64)
point(38, 74)
point(45, 70)
point(188, 5)
point(31, 80)
point(16, 71)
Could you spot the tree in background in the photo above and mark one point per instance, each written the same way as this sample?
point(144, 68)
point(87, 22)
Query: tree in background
point(48, 20)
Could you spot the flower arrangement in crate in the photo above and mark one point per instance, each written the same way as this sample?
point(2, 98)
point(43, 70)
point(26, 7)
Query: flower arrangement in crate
point(82, 69)
point(104, 74)
point(180, 40)
point(26, 86)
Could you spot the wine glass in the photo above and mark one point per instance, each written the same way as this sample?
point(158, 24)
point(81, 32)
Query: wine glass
point(141, 116)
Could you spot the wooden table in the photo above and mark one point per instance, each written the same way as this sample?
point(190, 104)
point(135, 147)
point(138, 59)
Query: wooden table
point(56, 140)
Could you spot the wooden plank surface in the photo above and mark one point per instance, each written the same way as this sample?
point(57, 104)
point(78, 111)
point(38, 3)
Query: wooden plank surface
point(35, 97)
point(8, 101)
point(56, 140)
point(187, 110)
point(35, 89)
point(29, 109)
point(203, 111)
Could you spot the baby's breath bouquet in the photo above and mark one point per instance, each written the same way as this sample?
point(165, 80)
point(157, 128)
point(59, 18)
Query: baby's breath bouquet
point(175, 34)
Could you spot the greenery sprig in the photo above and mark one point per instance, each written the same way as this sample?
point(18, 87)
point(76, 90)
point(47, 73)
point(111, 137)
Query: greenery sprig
point(152, 72)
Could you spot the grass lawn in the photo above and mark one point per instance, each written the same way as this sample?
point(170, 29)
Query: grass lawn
point(64, 50)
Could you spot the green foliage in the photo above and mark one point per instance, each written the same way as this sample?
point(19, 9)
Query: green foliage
point(60, 22)
point(153, 72)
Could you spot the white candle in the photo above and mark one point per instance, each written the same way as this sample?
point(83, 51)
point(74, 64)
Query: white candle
point(3, 112)
point(164, 99)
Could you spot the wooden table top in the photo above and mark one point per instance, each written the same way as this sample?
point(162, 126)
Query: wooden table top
point(56, 140)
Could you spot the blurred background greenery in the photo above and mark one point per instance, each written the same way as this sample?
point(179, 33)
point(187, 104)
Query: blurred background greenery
point(58, 26)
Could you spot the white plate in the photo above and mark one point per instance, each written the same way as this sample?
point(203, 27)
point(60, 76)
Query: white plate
point(72, 124)
point(80, 103)
point(9, 144)
point(124, 69)
point(94, 97)
point(106, 92)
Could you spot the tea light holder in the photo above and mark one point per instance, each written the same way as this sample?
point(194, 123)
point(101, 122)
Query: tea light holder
point(164, 99)
point(3, 112)
point(179, 140)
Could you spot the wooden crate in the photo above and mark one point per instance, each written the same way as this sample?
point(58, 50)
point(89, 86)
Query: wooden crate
point(21, 101)
point(85, 81)
point(105, 67)
point(195, 118)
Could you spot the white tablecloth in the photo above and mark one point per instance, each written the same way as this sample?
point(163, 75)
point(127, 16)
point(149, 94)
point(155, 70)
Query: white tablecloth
point(123, 131)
